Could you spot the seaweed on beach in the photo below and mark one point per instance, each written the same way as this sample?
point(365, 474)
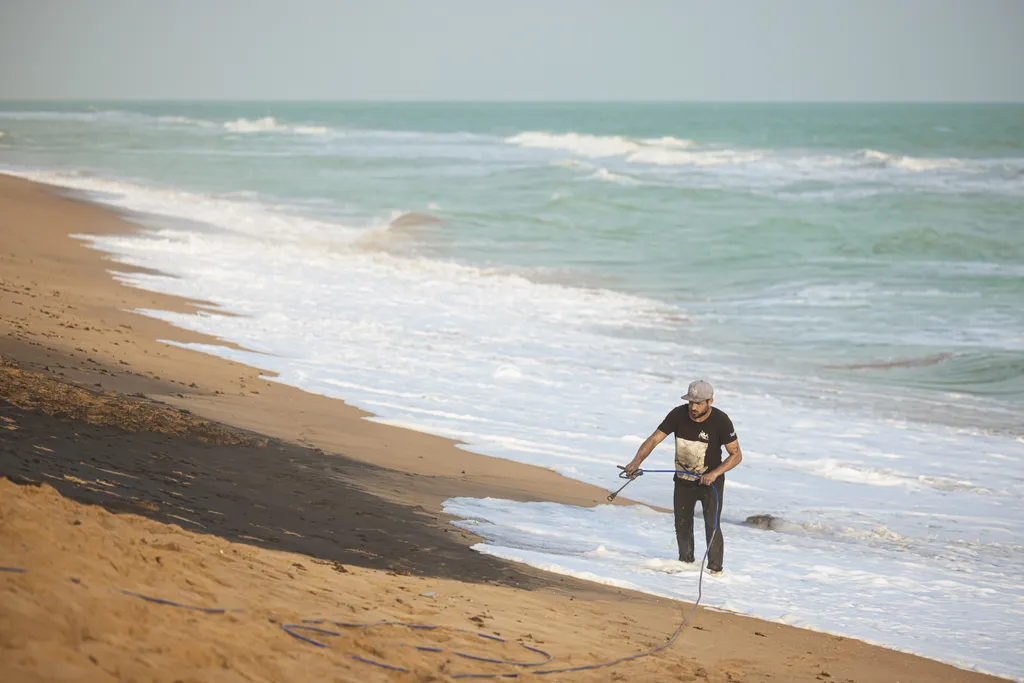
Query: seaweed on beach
point(36, 391)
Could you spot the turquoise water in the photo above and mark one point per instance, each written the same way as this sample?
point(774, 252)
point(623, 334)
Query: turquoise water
point(541, 282)
point(796, 238)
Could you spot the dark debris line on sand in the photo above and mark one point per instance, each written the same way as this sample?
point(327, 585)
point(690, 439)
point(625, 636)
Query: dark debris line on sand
point(171, 466)
point(34, 390)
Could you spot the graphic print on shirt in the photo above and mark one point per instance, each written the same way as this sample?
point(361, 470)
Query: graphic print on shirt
point(690, 454)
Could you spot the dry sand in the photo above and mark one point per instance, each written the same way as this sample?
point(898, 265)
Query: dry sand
point(132, 465)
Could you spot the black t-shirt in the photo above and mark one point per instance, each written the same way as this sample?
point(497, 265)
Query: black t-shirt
point(698, 444)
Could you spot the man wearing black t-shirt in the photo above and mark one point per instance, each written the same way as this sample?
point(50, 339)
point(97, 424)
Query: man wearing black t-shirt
point(700, 431)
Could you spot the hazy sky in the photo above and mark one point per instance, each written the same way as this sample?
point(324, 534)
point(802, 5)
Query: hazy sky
point(513, 49)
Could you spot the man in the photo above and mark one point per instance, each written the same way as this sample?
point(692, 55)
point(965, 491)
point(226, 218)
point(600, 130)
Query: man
point(701, 431)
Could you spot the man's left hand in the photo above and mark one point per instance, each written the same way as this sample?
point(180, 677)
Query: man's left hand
point(709, 478)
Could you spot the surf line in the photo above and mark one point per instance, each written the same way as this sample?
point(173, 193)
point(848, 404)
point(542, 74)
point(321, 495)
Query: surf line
point(315, 626)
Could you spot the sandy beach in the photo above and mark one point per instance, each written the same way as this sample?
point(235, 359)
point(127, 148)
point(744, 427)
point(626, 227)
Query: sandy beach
point(133, 467)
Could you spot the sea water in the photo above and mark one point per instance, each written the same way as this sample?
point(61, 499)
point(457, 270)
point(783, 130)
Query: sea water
point(542, 281)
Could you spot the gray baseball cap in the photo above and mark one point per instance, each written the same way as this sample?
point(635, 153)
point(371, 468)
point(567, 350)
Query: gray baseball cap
point(699, 391)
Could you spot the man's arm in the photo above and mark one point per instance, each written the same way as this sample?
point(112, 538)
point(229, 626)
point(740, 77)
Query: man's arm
point(735, 458)
point(645, 449)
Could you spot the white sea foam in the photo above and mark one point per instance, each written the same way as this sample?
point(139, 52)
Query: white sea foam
point(585, 145)
point(774, 172)
point(672, 157)
point(269, 124)
point(605, 174)
point(669, 151)
point(595, 146)
point(907, 163)
point(231, 214)
point(671, 142)
point(186, 121)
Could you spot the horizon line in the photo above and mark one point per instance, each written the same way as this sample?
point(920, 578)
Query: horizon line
point(216, 100)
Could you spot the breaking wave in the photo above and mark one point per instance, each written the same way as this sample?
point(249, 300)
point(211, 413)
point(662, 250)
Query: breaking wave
point(269, 124)
point(595, 146)
point(786, 173)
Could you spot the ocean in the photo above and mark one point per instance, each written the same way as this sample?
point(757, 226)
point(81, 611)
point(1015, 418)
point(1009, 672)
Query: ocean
point(542, 281)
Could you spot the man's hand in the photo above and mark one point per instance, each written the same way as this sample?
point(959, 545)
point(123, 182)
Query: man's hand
point(645, 449)
point(708, 478)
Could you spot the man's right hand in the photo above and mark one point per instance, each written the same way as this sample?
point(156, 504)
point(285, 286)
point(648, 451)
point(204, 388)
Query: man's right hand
point(645, 449)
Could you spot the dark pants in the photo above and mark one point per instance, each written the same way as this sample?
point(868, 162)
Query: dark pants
point(687, 494)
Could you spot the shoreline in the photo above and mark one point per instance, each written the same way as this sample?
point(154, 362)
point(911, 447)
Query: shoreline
point(65, 316)
point(244, 399)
